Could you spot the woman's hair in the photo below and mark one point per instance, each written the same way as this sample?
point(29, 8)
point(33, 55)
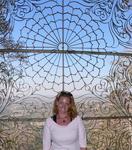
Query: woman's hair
point(72, 111)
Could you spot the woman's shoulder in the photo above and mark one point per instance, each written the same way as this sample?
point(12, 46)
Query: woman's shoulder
point(79, 117)
point(48, 121)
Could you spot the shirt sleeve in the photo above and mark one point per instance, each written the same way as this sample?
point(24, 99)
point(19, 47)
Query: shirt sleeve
point(82, 133)
point(46, 136)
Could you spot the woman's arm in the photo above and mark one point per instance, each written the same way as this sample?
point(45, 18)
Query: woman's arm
point(82, 135)
point(46, 136)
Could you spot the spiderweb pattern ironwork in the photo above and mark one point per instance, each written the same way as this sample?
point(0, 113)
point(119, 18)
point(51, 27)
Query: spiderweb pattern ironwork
point(80, 33)
point(68, 27)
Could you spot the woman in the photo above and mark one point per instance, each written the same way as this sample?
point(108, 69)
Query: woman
point(65, 129)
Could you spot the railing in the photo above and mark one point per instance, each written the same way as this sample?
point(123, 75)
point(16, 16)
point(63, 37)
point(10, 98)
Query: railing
point(103, 133)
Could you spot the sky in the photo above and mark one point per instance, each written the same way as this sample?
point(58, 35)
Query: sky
point(70, 26)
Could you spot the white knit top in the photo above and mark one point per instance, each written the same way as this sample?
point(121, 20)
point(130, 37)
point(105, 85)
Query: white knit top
point(68, 137)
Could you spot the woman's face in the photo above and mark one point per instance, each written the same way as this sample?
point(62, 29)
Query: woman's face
point(63, 104)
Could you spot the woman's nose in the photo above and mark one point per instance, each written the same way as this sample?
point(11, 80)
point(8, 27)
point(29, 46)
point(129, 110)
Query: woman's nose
point(63, 105)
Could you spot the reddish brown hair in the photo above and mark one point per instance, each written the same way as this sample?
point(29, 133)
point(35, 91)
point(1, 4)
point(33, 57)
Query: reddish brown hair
point(72, 109)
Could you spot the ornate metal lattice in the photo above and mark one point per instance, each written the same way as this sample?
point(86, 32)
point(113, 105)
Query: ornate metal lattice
point(81, 46)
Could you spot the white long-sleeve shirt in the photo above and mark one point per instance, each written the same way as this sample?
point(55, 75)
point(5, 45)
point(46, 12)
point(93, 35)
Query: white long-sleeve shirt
point(69, 137)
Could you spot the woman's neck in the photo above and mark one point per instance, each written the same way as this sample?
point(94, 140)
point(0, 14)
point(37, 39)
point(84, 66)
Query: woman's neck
point(63, 119)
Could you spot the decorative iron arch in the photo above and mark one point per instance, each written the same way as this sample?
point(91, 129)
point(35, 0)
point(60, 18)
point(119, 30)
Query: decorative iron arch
point(68, 29)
